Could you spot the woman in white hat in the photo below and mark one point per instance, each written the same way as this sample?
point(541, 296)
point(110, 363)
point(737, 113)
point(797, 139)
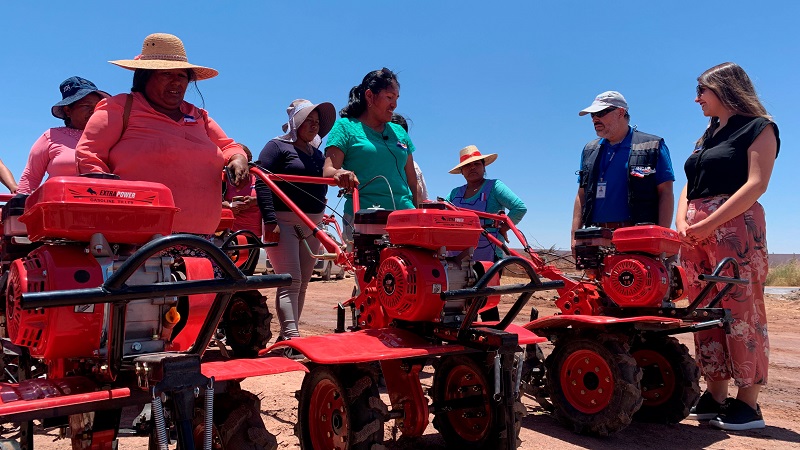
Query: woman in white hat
point(294, 153)
point(154, 135)
point(480, 194)
point(53, 154)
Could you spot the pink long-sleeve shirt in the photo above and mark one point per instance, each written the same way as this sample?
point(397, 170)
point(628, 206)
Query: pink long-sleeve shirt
point(53, 154)
point(187, 156)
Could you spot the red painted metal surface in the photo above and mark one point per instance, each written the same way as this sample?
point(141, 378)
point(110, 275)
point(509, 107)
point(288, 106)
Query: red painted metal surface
point(236, 369)
point(75, 208)
point(405, 393)
point(364, 346)
point(17, 407)
point(578, 321)
point(199, 304)
point(587, 381)
point(434, 228)
point(525, 336)
point(52, 268)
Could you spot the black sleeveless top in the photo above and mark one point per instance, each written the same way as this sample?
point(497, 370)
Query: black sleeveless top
point(720, 165)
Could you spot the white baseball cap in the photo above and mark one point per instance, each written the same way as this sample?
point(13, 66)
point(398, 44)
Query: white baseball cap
point(605, 100)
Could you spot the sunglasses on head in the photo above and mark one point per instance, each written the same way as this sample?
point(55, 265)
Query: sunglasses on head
point(701, 89)
point(603, 112)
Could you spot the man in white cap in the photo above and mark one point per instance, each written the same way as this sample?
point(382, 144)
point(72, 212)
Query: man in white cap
point(625, 176)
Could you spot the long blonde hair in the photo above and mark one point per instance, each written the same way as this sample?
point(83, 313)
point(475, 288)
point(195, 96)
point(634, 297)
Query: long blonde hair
point(736, 92)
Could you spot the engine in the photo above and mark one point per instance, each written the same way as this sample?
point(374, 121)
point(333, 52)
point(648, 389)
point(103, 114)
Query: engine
point(635, 266)
point(410, 257)
point(85, 230)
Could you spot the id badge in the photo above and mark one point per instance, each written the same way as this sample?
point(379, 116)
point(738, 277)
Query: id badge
point(601, 190)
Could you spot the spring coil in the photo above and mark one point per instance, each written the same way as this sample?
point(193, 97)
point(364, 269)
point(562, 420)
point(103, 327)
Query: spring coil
point(158, 415)
point(208, 432)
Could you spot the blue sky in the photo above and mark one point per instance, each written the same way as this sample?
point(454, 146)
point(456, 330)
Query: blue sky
point(509, 77)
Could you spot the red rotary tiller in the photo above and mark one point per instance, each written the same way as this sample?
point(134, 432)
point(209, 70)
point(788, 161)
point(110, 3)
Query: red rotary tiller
point(92, 296)
point(614, 357)
point(417, 298)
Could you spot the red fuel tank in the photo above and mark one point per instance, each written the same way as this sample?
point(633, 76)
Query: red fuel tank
point(651, 239)
point(434, 228)
point(75, 208)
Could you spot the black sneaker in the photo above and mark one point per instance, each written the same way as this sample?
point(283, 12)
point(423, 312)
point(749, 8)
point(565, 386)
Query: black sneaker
point(739, 416)
point(706, 408)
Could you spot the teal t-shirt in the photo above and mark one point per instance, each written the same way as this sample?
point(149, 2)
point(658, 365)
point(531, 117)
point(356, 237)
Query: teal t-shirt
point(370, 154)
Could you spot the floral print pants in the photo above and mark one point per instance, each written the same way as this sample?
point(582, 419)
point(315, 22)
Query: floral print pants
point(744, 353)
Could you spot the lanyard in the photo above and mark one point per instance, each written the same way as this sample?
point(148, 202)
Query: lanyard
point(604, 165)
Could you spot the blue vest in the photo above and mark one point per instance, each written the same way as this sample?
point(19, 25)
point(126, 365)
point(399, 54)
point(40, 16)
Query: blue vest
point(485, 250)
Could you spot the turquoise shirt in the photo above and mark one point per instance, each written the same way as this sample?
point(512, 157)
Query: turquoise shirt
point(501, 198)
point(370, 154)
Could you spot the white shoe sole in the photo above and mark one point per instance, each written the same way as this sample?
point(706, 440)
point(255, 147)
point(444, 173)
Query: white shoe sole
point(754, 425)
point(706, 416)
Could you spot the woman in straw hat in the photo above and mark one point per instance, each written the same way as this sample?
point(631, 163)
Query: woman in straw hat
point(364, 145)
point(53, 154)
point(480, 194)
point(295, 152)
point(154, 135)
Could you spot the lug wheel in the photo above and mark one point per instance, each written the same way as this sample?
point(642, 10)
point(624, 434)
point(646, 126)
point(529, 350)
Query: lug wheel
point(340, 409)
point(246, 324)
point(467, 416)
point(594, 384)
point(670, 381)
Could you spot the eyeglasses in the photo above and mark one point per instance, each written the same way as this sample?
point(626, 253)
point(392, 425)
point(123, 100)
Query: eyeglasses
point(602, 113)
point(701, 89)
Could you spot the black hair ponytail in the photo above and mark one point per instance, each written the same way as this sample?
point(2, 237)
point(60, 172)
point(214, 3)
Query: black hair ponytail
point(376, 81)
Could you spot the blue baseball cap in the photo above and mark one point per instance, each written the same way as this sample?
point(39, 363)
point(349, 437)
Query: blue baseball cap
point(73, 89)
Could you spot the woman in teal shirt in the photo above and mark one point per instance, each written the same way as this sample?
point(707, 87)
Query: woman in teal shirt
point(364, 144)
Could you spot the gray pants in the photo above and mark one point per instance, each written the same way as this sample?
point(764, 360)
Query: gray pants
point(291, 256)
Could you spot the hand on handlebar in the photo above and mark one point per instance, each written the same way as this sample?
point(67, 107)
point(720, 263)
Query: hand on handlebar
point(346, 179)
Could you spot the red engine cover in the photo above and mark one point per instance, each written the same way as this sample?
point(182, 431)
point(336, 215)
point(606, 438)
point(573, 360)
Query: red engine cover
point(409, 283)
point(651, 239)
point(74, 208)
point(50, 333)
point(635, 280)
point(434, 228)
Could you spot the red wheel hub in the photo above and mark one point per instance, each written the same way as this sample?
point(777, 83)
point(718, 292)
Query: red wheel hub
point(470, 424)
point(658, 378)
point(587, 381)
point(328, 422)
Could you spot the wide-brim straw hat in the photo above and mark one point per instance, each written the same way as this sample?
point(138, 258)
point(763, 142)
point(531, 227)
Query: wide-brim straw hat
point(469, 154)
point(298, 112)
point(161, 51)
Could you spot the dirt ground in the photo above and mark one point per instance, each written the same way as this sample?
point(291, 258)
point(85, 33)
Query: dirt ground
point(780, 400)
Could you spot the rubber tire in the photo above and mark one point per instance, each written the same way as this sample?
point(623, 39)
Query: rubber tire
point(247, 324)
point(352, 393)
point(672, 407)
point(623, 401)
point(340, 275)
point(449, 422)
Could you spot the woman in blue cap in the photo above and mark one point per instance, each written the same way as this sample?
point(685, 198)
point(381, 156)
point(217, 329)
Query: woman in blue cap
point(54, 152)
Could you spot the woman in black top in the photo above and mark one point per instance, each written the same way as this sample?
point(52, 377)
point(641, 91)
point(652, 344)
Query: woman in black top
point(719, 216)
point(295, 153)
